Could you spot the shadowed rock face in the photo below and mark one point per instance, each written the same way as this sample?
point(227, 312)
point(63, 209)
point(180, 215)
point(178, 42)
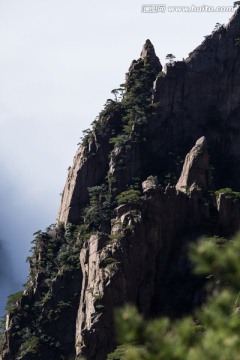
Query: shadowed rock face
point(200, 97)
point(142, 258)
point(148, 255)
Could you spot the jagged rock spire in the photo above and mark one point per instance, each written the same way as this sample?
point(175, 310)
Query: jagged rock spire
point(148, 54)
point(196, 168)
point(148, 50)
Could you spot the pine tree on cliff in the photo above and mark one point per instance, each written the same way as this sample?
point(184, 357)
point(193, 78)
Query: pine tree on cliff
point(211, 333)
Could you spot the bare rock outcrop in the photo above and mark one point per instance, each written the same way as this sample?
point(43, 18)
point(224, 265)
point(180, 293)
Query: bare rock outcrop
point(90, 166)
point(147, 55)
point(195, 171)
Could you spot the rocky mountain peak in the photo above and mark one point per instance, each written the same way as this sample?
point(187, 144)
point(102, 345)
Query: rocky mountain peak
point(147, 56)
point(148, 50)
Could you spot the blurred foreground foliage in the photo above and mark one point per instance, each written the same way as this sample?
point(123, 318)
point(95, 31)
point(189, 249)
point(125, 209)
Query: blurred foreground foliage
point(212, 332)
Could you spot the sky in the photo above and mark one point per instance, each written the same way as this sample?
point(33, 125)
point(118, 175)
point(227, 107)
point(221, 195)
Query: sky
point(59, 61)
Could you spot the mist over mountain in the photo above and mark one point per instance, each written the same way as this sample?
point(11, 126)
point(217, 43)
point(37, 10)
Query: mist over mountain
point(8, 282)
point(21, 216)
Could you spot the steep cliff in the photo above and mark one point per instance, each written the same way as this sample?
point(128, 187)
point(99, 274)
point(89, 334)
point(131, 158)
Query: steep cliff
point(153, 174)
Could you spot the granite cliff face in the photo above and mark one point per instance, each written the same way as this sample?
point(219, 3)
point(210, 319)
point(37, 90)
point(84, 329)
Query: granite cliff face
point(200, 96)
point(153, 175)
